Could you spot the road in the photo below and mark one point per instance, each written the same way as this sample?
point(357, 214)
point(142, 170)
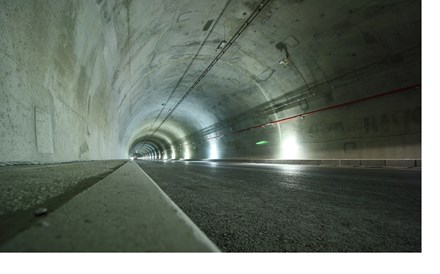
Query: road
point(288, 208)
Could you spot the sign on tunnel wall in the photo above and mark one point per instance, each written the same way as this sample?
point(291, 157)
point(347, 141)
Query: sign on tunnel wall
point(43, 131)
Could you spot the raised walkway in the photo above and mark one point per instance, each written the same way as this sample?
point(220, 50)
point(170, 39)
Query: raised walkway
point(124, 211)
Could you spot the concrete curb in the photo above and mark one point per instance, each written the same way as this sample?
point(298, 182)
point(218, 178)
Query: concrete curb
point(124, 212)
point(37, 163)
point(329, 162)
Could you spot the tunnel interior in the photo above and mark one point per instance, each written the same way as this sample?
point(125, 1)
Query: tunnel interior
point(94, 80)
point(265, 125)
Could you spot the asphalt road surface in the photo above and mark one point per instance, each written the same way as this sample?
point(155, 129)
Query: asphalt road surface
point(287, 208)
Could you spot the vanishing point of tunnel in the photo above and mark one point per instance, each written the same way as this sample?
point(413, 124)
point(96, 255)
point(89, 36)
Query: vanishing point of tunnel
point(202, 125)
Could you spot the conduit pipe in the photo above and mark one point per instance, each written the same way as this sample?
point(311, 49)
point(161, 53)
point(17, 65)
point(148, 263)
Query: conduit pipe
point(329, 108)
point(225, 48)
point(314, 111)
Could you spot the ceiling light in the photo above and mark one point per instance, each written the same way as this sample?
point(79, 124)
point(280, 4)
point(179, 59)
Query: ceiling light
point(221, 45)
point(284, 61)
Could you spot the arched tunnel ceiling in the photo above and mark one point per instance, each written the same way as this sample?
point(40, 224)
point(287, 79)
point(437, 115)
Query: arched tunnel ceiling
point(110, 77)
point(170, 46)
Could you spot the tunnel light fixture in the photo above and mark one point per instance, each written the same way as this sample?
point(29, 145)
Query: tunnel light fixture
point(284, 61)
point(261, 142)
point(165, 156)
point(213, 150)
point(289, 148)
point(186, 152)
point(221, 45)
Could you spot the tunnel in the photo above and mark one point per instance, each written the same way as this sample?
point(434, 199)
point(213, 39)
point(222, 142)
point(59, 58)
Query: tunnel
point(175, 111)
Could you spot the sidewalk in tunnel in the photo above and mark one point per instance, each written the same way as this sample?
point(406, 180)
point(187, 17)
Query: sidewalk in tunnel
point(119, 210)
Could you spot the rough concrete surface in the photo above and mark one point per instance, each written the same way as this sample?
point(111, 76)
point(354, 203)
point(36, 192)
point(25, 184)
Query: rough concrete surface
point(285, 208)
point(125, 211)
point(25, 189)
point(97, 80)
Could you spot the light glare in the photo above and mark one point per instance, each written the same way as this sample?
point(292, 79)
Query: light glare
point(187, 153)
point(213, 150)
point(289, 148)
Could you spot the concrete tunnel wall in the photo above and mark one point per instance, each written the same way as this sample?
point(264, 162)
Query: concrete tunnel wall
point(83, 80)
